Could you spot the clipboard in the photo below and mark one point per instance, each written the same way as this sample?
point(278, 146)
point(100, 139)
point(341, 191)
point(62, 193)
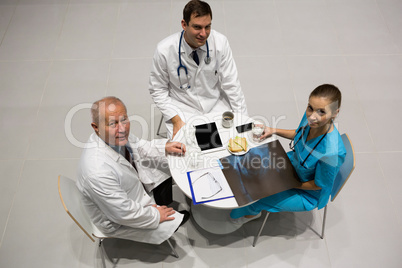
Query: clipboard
point(208, 184)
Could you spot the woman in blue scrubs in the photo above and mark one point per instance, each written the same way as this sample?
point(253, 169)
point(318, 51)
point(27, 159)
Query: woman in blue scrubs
point(317, 154)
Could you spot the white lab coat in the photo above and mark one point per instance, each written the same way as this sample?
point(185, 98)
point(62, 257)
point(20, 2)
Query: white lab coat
point(215, 87)
point(114, 196)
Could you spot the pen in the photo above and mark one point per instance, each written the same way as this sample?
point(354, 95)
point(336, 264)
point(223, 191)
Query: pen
point(181, 148)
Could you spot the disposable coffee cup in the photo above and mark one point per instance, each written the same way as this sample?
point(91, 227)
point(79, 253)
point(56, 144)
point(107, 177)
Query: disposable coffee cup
point(227, 119)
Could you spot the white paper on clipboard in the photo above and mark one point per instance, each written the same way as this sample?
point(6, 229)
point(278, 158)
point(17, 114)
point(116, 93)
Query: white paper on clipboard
point(208, 184)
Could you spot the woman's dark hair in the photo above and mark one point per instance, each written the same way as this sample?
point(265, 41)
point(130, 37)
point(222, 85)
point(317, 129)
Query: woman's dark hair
point(330, 92)
point(199, 8)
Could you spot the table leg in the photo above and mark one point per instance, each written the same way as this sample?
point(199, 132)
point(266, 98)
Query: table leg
point(213, 220)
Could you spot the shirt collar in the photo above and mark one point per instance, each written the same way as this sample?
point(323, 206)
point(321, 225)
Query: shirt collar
point(190, 50)
point(120, 149)
point(115, 152)
point(117, 149)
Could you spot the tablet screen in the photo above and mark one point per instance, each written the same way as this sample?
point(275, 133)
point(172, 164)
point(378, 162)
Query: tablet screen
point(207, 136)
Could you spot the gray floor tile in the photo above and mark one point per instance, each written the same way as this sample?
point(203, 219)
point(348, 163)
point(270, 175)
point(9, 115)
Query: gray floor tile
point(377, 80)
point(32, 33)
point(361, 28)
point(315, 35)
point(62, 138)
point(76, 82)
point(22, 85)
point(132, 41)
point(357, 218)
point(287, 240)
point(247, 34)
point(390, 167)
point(38, 224)
point(87, 32)
point(6, 13)
point(390, 12)
point(11, 170)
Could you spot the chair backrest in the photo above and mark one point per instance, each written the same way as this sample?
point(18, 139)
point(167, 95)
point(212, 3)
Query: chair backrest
point(346, 169)
point(71, 198)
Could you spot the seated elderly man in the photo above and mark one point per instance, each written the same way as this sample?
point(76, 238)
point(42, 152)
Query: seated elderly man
point(116, 185)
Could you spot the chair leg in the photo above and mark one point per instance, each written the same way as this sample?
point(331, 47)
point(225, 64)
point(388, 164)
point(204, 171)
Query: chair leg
point(262, 227)
point(174, 253)
point(323, 222)
point(102, 252)
point(162, 135)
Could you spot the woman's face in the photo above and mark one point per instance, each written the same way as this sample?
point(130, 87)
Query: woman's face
point(320, 111)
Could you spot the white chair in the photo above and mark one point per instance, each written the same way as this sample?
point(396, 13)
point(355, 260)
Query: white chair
point(343, 175)
point(71, 198)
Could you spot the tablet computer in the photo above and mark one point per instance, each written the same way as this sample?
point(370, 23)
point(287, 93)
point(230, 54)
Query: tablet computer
point(208, 137)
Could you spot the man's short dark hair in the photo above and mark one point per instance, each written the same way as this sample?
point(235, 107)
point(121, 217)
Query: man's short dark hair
point(197, 7)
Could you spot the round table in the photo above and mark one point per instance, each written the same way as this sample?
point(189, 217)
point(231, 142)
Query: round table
point(211, 216)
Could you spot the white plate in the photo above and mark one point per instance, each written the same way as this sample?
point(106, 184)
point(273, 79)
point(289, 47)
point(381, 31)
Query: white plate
point(238, 153)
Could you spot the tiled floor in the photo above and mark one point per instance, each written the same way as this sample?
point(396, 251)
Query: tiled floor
point(57, 56)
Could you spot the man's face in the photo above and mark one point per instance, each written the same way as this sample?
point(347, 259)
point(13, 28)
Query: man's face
point(197, 31)
point(114, 126)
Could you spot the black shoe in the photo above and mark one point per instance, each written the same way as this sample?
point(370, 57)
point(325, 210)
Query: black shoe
point(186, 216)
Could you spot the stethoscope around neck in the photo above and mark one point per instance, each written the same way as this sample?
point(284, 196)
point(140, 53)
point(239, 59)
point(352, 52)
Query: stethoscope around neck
point(292, 147)
point(207, 60)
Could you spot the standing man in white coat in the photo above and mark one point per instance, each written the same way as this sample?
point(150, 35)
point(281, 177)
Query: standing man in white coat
point(117, 186)
point(193, 71)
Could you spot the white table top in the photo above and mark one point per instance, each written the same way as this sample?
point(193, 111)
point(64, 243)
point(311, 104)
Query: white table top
point(180, 165)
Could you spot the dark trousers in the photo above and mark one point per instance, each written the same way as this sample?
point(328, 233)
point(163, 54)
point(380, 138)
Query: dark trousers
point(163, 194)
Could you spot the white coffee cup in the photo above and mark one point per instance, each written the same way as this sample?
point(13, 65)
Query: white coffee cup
point(227, 119)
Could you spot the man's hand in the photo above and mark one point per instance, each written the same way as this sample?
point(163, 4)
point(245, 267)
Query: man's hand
point(165, 213)
point(177, 124)
point(175, 148)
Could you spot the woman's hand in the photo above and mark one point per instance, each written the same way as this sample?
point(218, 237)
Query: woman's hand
point(268, 132)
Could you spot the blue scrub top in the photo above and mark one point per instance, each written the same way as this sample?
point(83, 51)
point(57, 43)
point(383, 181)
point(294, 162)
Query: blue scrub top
point(322, 165)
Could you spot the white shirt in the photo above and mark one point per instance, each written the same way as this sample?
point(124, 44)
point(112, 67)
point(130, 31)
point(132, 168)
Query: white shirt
point(215, 87)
